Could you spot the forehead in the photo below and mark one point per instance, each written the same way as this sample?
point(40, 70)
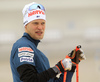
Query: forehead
point(38, 20)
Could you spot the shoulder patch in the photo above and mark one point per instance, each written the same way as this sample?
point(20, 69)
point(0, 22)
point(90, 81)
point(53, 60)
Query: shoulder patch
point(23, 54)
point(25, 49)
point(27, 59)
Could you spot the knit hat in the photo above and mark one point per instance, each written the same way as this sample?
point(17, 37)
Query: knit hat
point(32, 12)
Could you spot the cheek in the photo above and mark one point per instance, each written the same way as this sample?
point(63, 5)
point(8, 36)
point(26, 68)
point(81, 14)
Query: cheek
point(33, 28)
point(44, 28)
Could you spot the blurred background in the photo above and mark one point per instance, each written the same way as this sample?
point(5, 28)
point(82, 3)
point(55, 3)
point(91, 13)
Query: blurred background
point(69, 23)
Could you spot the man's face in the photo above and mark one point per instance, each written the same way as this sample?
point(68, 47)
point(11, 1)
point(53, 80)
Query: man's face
point(36, 29)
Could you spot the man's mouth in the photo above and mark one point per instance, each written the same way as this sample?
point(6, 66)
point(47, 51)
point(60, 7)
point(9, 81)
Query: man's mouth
point(39, 32)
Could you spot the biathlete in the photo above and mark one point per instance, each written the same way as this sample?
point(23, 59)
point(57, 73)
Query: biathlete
point(29, 64)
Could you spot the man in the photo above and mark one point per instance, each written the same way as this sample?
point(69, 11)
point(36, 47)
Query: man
point(28, 64)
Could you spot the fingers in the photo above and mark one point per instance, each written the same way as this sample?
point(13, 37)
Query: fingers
point(72, 54)
point(82, 56)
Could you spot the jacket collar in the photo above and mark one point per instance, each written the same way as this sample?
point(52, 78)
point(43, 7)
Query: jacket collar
point(31, 39)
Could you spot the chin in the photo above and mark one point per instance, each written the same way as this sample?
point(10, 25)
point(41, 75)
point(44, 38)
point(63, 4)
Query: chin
point(39, 38)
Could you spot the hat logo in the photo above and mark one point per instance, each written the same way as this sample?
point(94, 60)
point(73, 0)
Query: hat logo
point(37, 16)
point(36, 12)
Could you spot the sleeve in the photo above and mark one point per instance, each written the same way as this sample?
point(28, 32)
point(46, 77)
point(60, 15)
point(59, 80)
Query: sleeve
point(28, 73)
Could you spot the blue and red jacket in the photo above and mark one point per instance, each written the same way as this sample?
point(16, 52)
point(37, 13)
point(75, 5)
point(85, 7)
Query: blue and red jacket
point(29, 64)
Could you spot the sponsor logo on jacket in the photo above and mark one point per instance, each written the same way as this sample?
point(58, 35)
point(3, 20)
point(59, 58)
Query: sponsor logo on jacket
point(25, 49)
point(27, 59)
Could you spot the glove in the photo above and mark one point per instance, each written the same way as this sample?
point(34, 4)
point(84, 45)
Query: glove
point(63, 65)
point(72, 56)
point(80, 54)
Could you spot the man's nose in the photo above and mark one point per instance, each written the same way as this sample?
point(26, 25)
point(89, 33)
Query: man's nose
point(40, 27)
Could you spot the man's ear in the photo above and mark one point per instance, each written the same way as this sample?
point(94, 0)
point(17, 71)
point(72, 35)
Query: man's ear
point(25, 26)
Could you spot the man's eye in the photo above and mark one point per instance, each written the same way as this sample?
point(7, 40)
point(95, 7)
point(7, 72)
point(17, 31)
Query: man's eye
point(43, 23)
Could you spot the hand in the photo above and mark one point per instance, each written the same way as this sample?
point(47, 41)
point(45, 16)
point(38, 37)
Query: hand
point(64, 65)
point(67, 64)
point(80, 54)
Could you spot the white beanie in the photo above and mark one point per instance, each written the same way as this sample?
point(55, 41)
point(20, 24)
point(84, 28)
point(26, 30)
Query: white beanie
point(30, 15)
